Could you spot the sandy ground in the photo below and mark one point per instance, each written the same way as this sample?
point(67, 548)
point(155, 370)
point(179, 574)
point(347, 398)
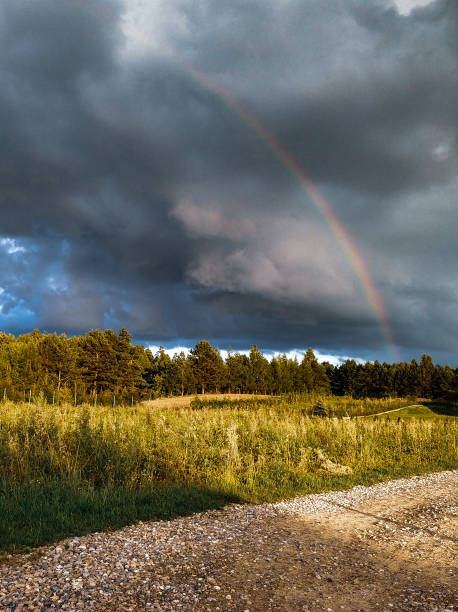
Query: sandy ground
point(388, 547)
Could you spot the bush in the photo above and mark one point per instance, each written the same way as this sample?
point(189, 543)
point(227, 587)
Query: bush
point(320, 409)
point(196, 403)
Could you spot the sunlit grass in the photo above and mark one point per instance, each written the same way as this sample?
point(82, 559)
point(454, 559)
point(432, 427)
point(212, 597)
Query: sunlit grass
point(143, 459)
point(337, 406)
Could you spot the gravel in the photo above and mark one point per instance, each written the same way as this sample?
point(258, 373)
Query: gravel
point(350, 550)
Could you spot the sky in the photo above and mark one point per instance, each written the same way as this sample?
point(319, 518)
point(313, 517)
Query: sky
point(277, 172)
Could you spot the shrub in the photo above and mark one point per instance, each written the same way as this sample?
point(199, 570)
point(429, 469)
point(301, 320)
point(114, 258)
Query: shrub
point(320, 409)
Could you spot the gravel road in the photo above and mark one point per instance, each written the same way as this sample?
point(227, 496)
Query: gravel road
point(391, 546)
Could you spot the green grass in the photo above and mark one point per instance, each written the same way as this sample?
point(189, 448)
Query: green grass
point(67, 471)
point(338, 406)
point(425, 411)
point(32, 514)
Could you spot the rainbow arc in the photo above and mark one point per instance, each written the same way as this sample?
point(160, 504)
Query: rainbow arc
point(322, 206)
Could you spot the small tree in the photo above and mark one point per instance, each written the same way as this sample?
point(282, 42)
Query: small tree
point(320, 409)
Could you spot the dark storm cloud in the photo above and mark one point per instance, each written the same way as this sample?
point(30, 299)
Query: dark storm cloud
point(132, 194)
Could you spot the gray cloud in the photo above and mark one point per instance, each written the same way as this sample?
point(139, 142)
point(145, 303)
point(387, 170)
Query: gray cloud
point(141, 197)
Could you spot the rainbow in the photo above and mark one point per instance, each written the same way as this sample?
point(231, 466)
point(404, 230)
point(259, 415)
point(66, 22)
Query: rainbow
point(322, 206)
point(348, 246)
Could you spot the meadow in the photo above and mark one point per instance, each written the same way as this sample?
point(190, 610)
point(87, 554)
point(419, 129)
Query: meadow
point(67, 470)
point(337, 406)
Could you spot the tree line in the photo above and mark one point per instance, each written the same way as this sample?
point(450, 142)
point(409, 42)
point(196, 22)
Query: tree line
point(106, 367)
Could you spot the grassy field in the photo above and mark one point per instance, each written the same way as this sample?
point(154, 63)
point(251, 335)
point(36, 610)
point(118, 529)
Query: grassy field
point(337, 406)
point(429, 410)
point(68, 470)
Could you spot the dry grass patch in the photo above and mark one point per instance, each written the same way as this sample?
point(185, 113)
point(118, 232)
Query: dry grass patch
point(184, 401)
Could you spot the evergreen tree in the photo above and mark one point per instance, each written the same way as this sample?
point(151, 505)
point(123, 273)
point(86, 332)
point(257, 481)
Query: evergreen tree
point(238, 372)
point(185, 374)
point(207, 365)
point(103, 364)
point(306, 374)
point(425, 376)
point(98, 361)
point(163, 375)
point(57, 362)
point(258, 371)
point(131, 362)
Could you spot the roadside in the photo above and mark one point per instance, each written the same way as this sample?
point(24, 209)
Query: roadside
point(389, 546)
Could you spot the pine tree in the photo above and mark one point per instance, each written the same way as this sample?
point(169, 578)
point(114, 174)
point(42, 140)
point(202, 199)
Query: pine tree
point(206, 362)
point(258, 371)
point(425, 376)
point(238, 371)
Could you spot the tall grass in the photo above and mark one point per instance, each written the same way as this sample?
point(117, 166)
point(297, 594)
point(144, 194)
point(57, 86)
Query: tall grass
point(337, 406)
point(67, 470)
point(235, 451)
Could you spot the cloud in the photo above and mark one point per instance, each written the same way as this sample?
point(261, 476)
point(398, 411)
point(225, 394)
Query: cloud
point(295, 353)
point(10, 246)
point(144, 194)
point(405, 7)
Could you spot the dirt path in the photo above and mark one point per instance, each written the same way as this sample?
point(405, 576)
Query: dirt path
point(387, 547)
point(365, 416)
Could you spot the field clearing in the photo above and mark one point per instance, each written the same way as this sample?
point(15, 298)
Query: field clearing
point(337, 406)
point(184, 401)
point(67, 470)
